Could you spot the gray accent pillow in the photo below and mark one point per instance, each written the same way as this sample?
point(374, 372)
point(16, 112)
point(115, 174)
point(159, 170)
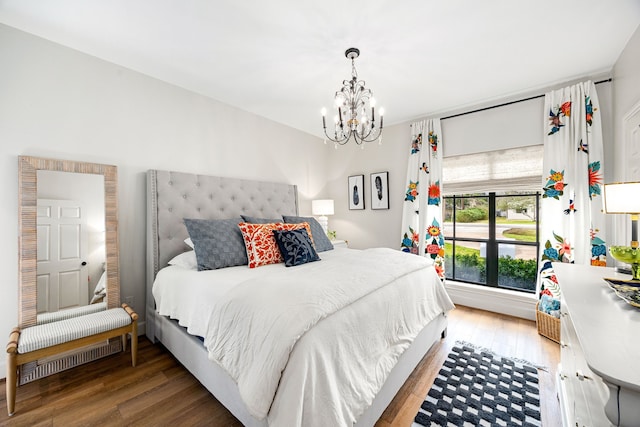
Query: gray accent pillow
point(256, 220)
point(218, 243)
point(320, 239)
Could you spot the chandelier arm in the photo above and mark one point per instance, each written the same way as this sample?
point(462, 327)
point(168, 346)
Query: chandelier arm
point(359, 138)
point(372, 134)
point(341, 141)
point(365, 137)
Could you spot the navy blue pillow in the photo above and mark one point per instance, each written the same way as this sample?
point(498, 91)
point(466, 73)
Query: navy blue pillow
point(319, 237)
point(295, 246)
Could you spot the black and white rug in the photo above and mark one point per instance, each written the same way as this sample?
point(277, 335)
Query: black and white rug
point(476, 387)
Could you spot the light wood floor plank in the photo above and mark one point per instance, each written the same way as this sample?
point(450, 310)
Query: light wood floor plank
point(159, 391)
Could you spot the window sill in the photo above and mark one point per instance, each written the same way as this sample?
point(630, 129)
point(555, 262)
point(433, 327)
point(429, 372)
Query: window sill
point(503, 301)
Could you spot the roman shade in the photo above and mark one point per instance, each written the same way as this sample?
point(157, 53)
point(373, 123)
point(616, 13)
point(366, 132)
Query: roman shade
point(518, 169)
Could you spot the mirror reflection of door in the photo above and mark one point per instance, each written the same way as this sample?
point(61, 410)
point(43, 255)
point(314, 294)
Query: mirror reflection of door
point(62, 278)
point(70, 233)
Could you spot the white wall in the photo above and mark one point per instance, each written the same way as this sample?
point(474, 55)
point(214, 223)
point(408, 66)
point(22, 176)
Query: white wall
point(368, 228)
point(626, 96)
point(59, 103)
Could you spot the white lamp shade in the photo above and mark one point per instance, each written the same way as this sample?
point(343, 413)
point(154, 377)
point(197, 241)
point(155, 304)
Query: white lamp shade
point(322, 207)
point(622, 198)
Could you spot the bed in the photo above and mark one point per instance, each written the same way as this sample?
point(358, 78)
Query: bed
point(320, 377)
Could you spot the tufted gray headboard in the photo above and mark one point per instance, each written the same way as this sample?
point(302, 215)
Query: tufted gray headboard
point(173, 196)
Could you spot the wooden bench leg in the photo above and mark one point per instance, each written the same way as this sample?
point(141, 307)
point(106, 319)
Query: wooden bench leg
point(12, 371)
point(134, 343)
point(12, 381)
point(134, 333)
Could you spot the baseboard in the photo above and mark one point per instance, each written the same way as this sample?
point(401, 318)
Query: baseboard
point(503, 301)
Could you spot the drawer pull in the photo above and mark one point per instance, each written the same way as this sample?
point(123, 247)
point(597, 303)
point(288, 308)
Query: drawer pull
point(582, 376)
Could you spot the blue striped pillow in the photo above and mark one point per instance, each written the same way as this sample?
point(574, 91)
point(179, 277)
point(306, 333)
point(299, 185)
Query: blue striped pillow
point(218, 243)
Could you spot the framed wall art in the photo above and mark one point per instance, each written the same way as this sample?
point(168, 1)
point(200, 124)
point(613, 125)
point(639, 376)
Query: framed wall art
point(356, 192)
point(379, 190)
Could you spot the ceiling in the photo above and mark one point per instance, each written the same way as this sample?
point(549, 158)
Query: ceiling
point(284, 59)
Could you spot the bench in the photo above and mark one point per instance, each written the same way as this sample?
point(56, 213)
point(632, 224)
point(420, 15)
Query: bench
point(48, 339)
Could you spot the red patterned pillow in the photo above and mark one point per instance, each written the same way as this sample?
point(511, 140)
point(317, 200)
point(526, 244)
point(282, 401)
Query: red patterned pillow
point(260, 243)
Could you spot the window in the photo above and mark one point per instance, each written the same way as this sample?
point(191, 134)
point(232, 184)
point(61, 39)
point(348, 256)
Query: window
point(492, 239)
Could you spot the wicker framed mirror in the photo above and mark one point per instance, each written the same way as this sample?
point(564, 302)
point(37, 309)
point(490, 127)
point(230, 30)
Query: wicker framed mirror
point(28, 168)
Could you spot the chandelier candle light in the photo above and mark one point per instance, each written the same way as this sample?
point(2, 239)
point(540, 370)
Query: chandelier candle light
point(354, 103)
point(624, 198)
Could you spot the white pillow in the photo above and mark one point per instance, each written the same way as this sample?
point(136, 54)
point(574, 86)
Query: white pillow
point(189, 242)
point(100, 291)
point(185, 260)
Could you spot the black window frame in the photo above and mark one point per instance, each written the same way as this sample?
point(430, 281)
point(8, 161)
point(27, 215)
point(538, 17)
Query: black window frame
point(492, 243)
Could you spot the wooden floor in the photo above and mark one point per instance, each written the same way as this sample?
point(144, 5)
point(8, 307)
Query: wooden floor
point(159, 391)
point(506, 336)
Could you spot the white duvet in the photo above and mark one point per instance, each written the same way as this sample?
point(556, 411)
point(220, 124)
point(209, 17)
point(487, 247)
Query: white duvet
point(310, 345)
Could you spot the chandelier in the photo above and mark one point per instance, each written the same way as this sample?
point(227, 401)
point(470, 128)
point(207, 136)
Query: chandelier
point(355, 107)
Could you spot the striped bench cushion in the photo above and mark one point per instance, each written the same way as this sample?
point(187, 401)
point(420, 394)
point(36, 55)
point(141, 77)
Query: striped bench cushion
point(50, 334)
point(70, 313)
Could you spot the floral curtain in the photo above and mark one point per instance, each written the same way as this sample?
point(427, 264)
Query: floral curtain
point(422, 231)
point(572, 222)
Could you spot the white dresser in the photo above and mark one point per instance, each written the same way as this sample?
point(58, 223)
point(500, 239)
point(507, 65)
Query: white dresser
point(599, 371)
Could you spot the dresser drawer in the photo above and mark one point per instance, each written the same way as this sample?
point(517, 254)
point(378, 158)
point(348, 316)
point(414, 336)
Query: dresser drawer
point(583, 392)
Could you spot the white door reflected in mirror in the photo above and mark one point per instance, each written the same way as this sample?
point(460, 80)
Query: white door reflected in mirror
point(70, 239)
point(62, 278)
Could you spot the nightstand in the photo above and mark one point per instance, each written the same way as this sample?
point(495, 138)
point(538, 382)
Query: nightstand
point(340, 243)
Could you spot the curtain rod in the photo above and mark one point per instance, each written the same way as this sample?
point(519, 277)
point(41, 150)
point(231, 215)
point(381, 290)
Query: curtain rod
point(506, 103)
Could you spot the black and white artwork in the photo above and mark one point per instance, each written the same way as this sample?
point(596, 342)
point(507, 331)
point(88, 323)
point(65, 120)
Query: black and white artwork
point(356, 192)
point(380, 190)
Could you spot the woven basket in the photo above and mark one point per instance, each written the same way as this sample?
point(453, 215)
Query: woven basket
point(548, 326)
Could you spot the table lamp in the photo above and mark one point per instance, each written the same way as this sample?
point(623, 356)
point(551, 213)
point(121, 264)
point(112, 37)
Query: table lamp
point(624, 198)
point(322, 208)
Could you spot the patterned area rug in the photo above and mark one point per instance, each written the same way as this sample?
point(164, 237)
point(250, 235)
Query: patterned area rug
point(476, 387)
